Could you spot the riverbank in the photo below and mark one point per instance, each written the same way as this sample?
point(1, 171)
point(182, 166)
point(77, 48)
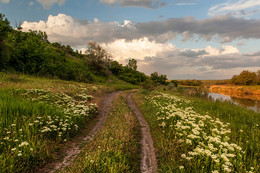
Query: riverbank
point(251, 92)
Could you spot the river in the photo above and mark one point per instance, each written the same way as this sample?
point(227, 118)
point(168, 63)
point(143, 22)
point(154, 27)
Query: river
point(245, 101)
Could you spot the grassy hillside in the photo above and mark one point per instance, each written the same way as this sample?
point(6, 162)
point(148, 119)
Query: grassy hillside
point(32, 53)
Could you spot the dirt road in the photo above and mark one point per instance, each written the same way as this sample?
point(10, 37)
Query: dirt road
point(74, 147)
point(148, 158)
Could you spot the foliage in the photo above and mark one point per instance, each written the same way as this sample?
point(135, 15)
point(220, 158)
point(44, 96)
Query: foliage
point(127, 74)
point(174, 82)
point(190, 82)
point(32, 53)
point(97, 57)
point(148, 85)
point(132, 64)
point(159, 79)
point(5, 28)
point(245, 78)
point(258, 77)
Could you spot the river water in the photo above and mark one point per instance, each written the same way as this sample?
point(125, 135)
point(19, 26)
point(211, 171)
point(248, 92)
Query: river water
point(245, 101)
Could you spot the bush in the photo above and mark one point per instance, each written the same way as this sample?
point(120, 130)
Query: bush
point(245, 78)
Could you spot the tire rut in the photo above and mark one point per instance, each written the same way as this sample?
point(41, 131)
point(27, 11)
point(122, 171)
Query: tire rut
point(148, 159)
point(74, 148)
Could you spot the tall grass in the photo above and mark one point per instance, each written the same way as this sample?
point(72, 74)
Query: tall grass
point(195, 135)
point(244, 125)
point(32, 122)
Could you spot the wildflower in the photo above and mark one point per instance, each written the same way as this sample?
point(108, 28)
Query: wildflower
point(181, 167)
point(6, 138)
point(24, 144)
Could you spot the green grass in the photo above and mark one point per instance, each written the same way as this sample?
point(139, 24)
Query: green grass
point(34, 121)
point(244, 125)
point(174, 121)
point(16, 80)
point(16, 115)
point(116, 148)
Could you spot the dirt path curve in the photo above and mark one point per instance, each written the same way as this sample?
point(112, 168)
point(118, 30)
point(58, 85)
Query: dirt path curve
point(148, 159)
point(74, 148)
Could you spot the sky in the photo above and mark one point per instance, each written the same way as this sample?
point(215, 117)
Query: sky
point(184, 39)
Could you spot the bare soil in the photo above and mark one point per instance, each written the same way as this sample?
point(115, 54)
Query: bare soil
point(148, 158)
point(72, 148)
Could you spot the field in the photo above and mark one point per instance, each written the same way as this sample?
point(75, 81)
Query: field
point(40, 117)
point(194, 135)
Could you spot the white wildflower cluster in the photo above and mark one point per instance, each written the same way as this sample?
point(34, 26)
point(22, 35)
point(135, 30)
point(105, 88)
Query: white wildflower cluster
point(207, 138)
point(77, 105)
point(87, 89)
point(76, 110)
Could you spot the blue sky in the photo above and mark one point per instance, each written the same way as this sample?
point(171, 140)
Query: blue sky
point(185, 39)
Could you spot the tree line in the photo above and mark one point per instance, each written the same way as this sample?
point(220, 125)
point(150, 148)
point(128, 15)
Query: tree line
point(32, 53)
point(246, 78)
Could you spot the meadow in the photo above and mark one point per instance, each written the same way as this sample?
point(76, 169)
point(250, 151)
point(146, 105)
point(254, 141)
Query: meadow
point(38, 115)
point(195, 135)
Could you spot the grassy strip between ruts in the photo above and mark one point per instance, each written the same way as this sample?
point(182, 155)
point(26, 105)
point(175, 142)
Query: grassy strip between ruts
point(116, 147)
point(194, 135)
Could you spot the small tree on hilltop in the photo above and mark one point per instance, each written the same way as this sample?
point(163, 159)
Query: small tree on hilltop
point(97, 57)
point(132, 64)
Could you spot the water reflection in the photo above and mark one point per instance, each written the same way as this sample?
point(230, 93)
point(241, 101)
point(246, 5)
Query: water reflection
point(244, 102)
point(247, 101)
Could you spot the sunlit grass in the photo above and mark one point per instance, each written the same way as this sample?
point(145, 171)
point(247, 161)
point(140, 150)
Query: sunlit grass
point(116, 148)
point(197, 135)
point(32, 122)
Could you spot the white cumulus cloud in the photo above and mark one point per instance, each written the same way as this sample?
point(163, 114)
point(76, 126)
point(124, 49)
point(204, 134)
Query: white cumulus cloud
point(137, 49)
point(46, 4)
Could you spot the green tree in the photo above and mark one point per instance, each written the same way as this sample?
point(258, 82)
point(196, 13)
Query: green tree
point(97, 57)
point(161, 79)
point(244, 78)
point(258, 77)
point(132, 64)
point(5, 28)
